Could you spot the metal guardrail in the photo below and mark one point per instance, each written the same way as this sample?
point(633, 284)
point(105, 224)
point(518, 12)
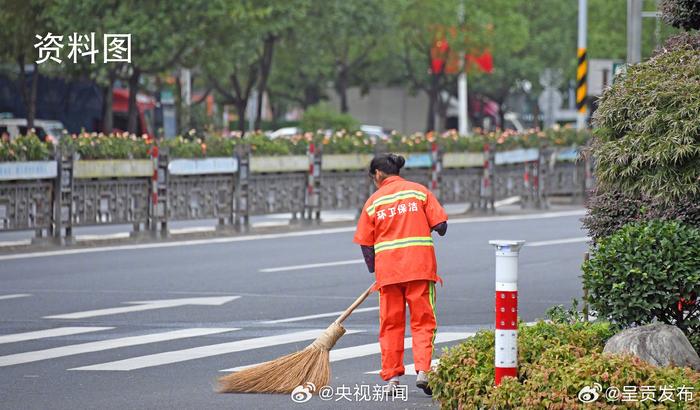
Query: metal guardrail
point(57, 196)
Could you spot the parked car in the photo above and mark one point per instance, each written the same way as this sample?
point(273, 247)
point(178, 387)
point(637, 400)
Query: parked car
point(43, 128)
point(285, 132)
point(375, 130)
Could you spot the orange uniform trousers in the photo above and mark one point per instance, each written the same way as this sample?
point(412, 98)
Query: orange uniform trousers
point(420, 296)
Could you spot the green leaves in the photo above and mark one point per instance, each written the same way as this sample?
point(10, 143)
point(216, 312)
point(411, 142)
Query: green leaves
point(640, 273)
point(648, 136)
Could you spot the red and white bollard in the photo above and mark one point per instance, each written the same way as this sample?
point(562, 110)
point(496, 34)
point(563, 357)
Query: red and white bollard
point(506, 362)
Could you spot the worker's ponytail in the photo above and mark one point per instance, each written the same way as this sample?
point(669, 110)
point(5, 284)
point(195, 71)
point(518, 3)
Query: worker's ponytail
point(389, 164)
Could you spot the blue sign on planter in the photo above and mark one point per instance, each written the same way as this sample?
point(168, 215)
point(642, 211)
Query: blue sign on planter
point(27, 170)
point(419, 161)
point(203, 166)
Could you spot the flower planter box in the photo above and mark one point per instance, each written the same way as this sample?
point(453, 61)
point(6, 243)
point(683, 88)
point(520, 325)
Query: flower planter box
point(462, 159)
point(111, 168)
point(279, 163)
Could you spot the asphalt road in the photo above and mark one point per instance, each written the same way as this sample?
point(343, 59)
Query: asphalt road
point(70, 339)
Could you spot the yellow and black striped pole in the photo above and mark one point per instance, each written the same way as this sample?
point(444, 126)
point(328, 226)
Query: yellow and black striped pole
point(582, 70)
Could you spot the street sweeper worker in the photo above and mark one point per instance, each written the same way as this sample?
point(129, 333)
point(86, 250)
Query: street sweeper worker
point(394, 232)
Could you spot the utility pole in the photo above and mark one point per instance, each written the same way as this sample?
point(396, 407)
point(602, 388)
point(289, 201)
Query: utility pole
point(462, 85)
point(634, 31)
point(582, 70)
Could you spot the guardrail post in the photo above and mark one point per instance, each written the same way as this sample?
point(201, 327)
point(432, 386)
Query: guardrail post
point(240, 210)
point(63, 199)
point(543, 161)
point(312, 200)
point(435, 169)
point(487, 192)
point(158, 209)
point(506, 343)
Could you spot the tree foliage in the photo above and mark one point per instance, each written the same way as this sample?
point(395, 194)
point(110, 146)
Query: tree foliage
point(648, 135)
point(684, 14)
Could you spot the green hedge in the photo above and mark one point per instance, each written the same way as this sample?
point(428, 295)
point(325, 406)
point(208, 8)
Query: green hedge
point(556, 360)
point(648, 127)
point(640, 273)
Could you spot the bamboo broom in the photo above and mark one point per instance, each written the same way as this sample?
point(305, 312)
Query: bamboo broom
point(282, 375)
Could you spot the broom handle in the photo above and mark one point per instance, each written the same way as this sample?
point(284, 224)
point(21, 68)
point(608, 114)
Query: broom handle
point(354, 305)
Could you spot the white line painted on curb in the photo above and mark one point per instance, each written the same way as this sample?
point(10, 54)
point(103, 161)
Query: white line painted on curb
point(195, 229)
point(313, 265)
point(246, 238)
point(371, 349)
point(177, 356)
point(331, 314)
point(102, 237)
point(20, 242)
point(559, 241)
point(15, 296)
point(43, 334)
point(37, 355)
point(147, 305)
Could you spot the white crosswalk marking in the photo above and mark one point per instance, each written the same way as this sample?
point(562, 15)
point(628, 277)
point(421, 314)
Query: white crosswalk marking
point(18, 295)
point(177, 356)
point(371, 349)
point(42, 334)
point(410, 370)
point(89, 347)
point(320, 315)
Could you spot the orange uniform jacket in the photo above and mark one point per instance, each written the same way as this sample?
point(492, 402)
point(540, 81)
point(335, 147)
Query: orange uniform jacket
point(396, 220)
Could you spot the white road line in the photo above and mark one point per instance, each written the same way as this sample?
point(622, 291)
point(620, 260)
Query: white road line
point(37, 355)
point(147, 305)
point(320, 315)
point(410, 370)
point(18, 295)
point(43, 334)
point(176, 356)
point(558, 241)
point(372, 349)
point(546, 215)
point(246, 238)
point(313, 265)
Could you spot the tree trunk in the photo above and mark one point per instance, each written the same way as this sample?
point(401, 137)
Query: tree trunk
point(265, 66)
point(341, 87)
point(178, 107)
point(432, 102)
point(312, 95)
point(108, 113)
point(240, 109)
point(502, 114)
point(31, 109)
point(133, 123)
point(28, 92)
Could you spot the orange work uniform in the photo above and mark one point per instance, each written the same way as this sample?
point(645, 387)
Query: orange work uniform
point(397, 221)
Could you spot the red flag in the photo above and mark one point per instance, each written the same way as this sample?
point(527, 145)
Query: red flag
point(484, 62)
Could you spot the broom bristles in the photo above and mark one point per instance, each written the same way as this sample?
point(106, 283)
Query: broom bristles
point(282, 375)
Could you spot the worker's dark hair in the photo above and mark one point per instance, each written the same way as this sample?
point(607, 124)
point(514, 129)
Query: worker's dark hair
point(389, 164)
